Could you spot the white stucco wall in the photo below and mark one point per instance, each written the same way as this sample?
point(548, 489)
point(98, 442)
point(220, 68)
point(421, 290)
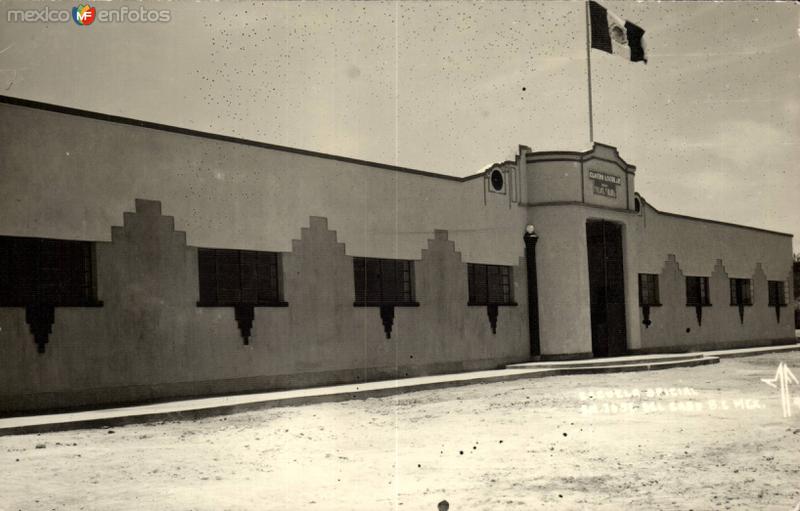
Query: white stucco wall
point(84, 173)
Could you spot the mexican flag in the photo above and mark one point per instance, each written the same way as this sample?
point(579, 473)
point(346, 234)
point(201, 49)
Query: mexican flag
point(616, 35)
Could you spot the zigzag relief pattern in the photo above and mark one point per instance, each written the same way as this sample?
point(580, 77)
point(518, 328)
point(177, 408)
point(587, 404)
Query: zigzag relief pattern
point(147, 270)
point(673, 285)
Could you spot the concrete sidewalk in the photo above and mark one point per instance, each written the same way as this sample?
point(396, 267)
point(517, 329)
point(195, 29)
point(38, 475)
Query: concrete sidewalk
point(206, 407)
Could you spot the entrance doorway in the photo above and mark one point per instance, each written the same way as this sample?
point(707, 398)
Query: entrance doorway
point(606, 288)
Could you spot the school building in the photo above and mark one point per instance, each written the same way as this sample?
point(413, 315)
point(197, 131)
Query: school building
point(141, 262)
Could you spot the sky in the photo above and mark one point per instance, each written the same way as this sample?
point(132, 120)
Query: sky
point(712, 121)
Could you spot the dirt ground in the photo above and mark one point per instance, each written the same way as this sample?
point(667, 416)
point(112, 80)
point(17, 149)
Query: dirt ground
point(712, 437)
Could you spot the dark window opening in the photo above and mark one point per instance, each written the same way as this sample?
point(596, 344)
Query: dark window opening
point(697, 295)
point(497, 180)
point(234, 277)
point(383, 281)
point(741, 293)
point(637, 205)
point(490, 284)
point(697, 291)
point(42, 274)
point(777, 297)
point(648, 290)
point(777, 294)
point(35, 271)
point(242, 279)
point(648, 296)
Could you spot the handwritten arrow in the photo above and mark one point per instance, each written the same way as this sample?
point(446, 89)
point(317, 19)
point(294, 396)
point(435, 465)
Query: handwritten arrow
point(783, 378)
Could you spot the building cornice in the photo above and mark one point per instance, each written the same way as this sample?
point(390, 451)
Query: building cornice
point(580, 157)
point(577, 203)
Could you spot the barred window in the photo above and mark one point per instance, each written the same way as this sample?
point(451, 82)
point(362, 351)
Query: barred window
point(697, 292)
point(383, 281)
point(36, 271)
point(741, 293)
point(648, 289)
point(489, 284)
point(777, 295)
point(235, 277)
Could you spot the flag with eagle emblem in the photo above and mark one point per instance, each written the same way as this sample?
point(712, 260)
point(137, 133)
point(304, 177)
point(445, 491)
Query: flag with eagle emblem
point(615, 35)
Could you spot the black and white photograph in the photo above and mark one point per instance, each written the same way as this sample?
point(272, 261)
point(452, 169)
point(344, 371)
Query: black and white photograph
point(399, 255)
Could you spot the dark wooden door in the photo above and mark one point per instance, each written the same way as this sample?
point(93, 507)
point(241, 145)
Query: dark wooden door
point(606, 288)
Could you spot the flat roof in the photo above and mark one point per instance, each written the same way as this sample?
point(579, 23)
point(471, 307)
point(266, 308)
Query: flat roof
point(39, 105)
point(223, 138)
point(707, 220)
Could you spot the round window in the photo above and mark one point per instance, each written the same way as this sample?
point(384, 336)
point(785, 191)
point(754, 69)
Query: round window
point(497, 180)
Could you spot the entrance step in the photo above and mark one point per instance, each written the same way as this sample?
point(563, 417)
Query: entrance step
point(636, 360)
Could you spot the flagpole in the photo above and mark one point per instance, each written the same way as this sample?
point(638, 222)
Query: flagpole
point(589, 70)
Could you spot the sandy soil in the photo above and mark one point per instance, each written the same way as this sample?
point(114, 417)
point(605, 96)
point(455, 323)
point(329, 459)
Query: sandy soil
point(530, 444)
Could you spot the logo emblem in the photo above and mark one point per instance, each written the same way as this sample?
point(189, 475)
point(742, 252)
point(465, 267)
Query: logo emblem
point(83, 15)
point(618, 34)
